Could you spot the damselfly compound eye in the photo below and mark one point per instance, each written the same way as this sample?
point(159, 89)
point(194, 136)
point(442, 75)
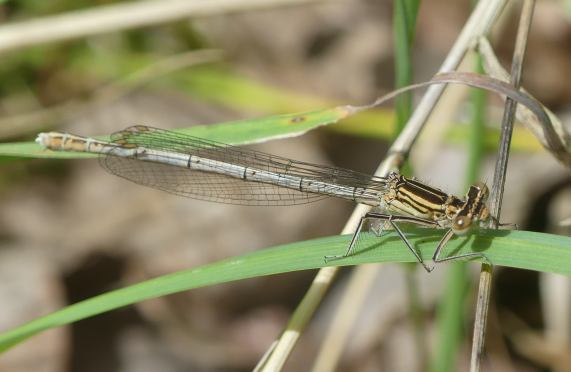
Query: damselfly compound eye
point(461, 225)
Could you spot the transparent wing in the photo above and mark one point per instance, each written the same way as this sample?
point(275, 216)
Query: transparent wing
point(218, 187)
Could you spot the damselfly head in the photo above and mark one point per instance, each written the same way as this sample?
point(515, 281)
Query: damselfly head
point(474, 209)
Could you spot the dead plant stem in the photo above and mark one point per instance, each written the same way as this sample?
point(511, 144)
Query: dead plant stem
point(486, 273)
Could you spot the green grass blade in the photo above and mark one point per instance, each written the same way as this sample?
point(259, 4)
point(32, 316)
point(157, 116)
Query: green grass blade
point(521, 249)
point(234, 133)
point(404, 28)
point(225, 87)
point(451, 316)
point(405, 14)
point(228, 88)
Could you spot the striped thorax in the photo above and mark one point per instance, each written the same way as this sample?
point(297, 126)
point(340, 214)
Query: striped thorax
point(410, 197)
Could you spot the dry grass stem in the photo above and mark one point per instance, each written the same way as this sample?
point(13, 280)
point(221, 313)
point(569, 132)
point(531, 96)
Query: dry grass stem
point(486, 273)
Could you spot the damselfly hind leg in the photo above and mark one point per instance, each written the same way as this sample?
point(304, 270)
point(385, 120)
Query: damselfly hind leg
point(378, 229)
point(354, 238)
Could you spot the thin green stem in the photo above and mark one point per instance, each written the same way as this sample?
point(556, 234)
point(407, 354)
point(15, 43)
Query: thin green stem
point(404, 23)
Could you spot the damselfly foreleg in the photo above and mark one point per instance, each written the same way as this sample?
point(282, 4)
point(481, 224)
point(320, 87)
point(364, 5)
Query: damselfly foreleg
point(449, 234)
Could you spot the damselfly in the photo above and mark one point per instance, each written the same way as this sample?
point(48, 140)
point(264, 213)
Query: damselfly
point(202, 169)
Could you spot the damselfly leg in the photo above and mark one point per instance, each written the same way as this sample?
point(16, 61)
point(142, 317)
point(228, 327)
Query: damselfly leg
point(449, 234)
point(393, 221)
point(504, 225)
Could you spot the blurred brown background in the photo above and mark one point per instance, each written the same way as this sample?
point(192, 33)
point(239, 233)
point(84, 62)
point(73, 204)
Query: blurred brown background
point(70, 231)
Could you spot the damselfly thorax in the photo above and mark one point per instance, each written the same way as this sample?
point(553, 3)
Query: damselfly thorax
point(411, 197)
point(207, 170)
